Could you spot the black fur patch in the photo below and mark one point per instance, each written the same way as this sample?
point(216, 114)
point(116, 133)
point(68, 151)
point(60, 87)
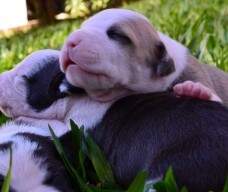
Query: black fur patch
point(155, 131)
point(162, 64)
point(160, 50)
point(43, 85)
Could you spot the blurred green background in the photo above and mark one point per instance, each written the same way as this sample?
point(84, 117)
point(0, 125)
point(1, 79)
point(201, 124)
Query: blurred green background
point(201, 25)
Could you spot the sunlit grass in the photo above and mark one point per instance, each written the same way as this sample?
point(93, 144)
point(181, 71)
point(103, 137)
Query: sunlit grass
point(14, 49)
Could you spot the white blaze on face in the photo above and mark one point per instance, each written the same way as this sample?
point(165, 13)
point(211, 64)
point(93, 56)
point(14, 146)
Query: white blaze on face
point(117, 52)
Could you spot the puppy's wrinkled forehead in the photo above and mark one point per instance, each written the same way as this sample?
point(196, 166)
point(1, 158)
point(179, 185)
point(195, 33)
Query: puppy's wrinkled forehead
point(125, 22)
point(108, 17)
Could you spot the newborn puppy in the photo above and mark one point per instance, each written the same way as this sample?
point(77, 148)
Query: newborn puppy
point(118, 52)
point(31, 92)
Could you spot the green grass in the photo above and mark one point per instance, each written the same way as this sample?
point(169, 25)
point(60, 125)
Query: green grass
point(15, 48)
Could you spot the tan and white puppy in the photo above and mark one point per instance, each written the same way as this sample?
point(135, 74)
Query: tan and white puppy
point(30, 93)
point(118, 52)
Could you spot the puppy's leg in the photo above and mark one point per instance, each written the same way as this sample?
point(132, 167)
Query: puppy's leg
point(195, 89)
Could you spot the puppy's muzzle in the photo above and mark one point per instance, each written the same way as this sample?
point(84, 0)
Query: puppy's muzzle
point(79, 50)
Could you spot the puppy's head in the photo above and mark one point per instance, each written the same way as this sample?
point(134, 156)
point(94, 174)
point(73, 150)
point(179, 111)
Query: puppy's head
point(114, 53)
point(31, 89)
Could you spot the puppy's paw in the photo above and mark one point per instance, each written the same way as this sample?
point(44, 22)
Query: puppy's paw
point(196, 90)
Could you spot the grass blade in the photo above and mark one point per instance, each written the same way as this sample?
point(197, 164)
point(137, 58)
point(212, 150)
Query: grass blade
point(184, 189)
point(73, 173)
point(139, 182)
point(170, 181)
point(7, 180)
point(160, 186)
point(78, 138)
point(101, 166)
point(76, 134)
point(225, 189)
point(81, 162)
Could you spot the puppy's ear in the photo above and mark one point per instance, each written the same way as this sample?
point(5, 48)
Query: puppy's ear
point(162, 63)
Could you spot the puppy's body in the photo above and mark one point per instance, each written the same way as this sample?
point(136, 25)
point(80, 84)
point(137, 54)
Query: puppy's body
point(118, 52)
point(154, 131)
point(141, 132)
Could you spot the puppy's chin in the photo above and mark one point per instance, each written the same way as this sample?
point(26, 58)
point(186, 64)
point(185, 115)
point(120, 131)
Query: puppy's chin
point(109, 95)
point(88, 80)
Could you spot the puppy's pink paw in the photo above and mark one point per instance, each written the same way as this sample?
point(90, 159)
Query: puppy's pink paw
point(196, 90)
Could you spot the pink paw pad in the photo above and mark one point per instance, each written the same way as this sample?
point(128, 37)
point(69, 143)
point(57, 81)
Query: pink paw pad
point(196, 90)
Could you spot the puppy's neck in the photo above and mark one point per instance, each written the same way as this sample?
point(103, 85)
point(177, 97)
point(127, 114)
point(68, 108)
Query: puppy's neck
point(179, 54)
point(87, 112)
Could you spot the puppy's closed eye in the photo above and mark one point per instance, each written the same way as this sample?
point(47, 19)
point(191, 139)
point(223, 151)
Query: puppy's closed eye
point(116, 34)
